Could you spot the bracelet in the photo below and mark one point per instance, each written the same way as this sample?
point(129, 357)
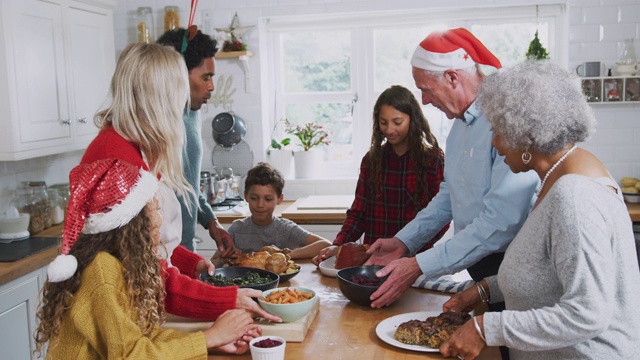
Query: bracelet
point(475, 322)
point(483, 293)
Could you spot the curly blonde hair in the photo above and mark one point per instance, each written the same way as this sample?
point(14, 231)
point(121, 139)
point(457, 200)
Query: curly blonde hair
point(133, 245)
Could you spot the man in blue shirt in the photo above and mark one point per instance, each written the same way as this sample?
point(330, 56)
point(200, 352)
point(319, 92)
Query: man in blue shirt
point(486, 201)
point(198, 50)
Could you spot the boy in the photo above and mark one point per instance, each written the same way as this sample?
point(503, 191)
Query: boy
point(263, 191)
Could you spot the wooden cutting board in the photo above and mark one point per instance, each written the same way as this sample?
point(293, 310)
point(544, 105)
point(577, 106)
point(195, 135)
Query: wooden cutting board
point(292, 332)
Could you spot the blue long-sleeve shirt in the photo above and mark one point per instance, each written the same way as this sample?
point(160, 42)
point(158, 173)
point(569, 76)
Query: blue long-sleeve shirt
point(192, 159)
point(486, 201)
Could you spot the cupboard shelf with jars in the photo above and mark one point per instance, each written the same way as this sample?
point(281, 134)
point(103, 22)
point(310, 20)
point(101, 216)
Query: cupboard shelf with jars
point(611, 89)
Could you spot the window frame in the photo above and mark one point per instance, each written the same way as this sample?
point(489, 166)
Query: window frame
point(363, 26)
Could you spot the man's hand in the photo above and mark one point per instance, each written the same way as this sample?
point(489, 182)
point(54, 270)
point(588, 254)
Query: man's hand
point(222, 238)
point(402, 273)
point(383, 251)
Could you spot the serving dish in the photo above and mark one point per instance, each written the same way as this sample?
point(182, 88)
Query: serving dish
point(359, 291)
point(387, 328)
point(327, 267)
point(632, 198)
point(238, 271)
point(286, 277)
point(288, 312)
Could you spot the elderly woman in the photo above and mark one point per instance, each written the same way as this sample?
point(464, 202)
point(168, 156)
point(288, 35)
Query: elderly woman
point(569, 279)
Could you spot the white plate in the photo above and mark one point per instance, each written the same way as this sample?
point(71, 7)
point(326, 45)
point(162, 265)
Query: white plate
point(327, 267)
point(387, 328)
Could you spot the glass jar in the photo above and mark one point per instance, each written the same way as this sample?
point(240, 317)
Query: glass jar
point(144, 24)
point(26, 203)
point(39, 191)
point(628, 55)
point(171, 18)
point(56, 206)
point(64, 194)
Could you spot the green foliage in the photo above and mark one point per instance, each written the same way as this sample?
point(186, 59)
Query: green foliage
point(536, 50)
point(309, 134)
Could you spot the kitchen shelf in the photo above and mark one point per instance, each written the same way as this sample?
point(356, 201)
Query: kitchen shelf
point(243, 56)
point(612, 89)
point(233, 54)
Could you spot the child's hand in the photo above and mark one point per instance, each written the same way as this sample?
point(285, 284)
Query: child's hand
point(204, 266)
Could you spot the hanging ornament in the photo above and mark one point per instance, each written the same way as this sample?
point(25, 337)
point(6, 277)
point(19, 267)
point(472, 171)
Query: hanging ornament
point(536, 51)
point(235, 33)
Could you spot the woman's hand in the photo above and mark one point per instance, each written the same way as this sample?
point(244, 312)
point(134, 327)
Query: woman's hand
point(241, 346)
point(244, 300)
point(324, 254)
point(465, 342)
point(231, 326)
point(204, 266)
point(464, 301)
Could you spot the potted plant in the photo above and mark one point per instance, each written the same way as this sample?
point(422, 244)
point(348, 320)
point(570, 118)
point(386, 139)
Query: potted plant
point(310, 137)
point(279, 152)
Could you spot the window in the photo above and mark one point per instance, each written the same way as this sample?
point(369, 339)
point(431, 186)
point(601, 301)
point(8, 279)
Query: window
point(331, 68)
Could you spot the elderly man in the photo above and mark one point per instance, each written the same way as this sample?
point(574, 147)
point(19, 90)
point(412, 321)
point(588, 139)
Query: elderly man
point(486, 201)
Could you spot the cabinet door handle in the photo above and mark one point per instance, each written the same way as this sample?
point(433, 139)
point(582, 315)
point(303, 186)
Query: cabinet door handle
point(198, 240)
point(66, 122)
point(82, 120)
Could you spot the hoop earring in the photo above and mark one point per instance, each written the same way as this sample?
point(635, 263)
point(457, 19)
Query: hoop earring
point(526, 156)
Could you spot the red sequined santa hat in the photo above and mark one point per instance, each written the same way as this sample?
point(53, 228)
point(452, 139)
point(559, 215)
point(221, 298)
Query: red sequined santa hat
point(452, 49)
point(105, 195)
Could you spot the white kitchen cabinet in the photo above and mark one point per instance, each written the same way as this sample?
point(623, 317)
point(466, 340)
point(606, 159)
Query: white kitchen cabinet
point(56, 62)
point(18, 304)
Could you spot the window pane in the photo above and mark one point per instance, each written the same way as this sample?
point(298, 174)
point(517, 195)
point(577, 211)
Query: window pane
point(315, 61)
point(393, 49)
point(510, 42)
point(335, 117)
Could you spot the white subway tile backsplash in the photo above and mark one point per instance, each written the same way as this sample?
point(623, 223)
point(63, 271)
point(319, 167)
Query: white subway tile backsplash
point(600, 15)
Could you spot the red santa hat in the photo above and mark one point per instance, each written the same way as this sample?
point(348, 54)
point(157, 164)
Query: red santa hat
point(452, 49)
point(105, 195)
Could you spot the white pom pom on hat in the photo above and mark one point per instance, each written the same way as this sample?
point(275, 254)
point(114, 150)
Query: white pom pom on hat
point(452, 49)
point(105, 195)
point(62, 268)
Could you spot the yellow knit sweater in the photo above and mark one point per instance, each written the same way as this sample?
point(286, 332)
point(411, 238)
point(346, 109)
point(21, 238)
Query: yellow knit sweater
point(100, 323)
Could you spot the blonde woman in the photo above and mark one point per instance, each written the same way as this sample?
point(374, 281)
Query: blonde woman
point(143, 125)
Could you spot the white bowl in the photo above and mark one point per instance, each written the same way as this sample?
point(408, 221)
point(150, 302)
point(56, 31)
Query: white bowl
point(289, 312)
point(267, 353)
point(633, 198)
point(14, 228)
point(327, 267)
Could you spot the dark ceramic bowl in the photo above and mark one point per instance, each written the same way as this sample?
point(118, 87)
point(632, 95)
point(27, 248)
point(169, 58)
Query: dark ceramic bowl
point(236, 272)
point(357, 283)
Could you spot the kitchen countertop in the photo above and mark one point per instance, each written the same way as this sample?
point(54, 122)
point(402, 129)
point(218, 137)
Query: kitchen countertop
point(13, 270)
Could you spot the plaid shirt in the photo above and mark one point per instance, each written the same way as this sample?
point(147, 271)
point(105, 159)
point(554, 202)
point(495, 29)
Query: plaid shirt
point(384, 216)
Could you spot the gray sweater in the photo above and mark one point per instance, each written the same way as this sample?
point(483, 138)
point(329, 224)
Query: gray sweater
point(570, 278)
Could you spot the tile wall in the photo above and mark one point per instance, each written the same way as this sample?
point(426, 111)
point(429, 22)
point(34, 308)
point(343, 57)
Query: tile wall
point(596, 32)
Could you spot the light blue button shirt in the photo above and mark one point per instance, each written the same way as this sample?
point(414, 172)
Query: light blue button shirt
point(486, 201)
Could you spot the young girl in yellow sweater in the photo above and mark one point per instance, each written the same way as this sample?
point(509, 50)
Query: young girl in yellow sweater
point(104, 294)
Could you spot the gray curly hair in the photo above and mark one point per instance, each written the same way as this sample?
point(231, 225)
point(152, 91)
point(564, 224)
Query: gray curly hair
point(537, 105)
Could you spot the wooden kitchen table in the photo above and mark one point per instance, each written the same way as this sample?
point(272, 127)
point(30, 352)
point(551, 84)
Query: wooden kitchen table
point(342, 330)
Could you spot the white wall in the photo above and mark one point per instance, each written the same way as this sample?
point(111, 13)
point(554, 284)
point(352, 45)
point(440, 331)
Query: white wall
point(596, 33)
